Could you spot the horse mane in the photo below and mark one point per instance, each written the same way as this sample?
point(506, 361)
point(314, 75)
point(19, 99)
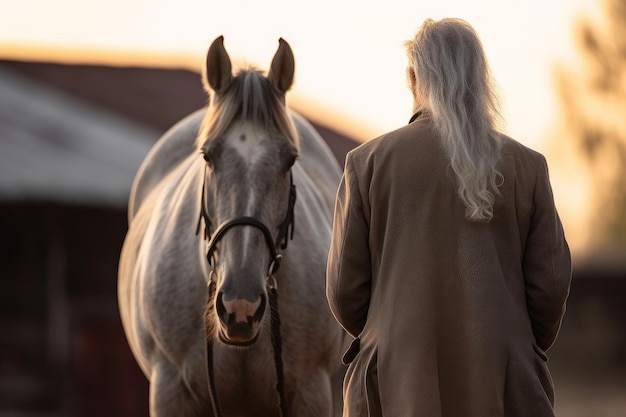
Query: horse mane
point(249, 97)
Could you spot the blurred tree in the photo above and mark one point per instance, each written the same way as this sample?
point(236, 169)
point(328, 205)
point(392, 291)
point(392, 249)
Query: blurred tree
point(593, 104)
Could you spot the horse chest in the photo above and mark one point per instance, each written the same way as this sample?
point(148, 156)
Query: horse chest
point(245, 381)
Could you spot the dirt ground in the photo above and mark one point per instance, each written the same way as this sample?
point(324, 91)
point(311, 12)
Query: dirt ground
point(595, 396)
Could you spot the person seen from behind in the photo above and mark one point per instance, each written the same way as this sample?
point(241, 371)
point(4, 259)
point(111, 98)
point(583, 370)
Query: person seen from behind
point(448, 261)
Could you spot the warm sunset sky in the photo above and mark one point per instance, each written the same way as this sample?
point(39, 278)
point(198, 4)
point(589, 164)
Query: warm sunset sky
point(350, 56)
point(350, 59)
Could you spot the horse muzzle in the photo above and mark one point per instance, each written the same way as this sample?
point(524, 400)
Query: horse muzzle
point(240, 319)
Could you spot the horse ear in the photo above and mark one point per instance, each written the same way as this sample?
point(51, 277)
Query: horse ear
point(218, 68)
point(283, 66)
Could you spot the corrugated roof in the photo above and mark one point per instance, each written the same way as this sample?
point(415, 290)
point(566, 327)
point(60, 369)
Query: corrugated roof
point(78, 133)
point(58, 148)
point(155, 97)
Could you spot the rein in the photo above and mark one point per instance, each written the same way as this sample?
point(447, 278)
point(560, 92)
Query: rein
point(281, 241)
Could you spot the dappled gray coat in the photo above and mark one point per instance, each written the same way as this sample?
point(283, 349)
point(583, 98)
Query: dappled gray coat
point(453, 316)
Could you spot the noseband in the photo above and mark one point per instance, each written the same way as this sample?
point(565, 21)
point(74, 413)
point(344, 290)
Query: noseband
point(281, 239)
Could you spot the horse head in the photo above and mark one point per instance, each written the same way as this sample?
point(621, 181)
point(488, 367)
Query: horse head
point(249, 144)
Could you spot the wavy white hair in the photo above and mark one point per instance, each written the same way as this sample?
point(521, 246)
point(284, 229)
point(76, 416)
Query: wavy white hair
point(451, 83)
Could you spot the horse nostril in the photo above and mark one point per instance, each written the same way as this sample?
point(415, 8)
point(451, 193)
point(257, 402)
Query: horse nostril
point(220, 308)
point(240, 310)
point(258, 316)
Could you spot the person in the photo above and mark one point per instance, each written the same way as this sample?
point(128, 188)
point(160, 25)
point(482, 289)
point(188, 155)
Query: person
point(448, 261)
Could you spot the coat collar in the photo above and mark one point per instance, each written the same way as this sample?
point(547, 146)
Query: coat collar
point(415, 117)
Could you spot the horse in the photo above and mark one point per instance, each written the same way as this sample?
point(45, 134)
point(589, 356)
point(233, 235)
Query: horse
point(210, 213)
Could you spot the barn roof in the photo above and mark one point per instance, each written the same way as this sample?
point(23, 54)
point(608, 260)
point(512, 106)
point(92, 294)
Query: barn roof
point(56, 147)
point(78, 133)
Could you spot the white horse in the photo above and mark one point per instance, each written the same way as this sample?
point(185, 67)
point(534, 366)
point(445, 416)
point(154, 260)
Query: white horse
point(197, 304)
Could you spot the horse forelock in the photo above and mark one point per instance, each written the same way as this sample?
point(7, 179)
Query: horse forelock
point(249, 98)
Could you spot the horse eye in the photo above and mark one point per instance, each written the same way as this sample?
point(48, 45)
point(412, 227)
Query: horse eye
point(292, 160)
point(207, 158)
point(289, 157)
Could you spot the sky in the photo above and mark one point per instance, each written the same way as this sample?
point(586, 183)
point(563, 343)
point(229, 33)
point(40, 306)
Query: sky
point(350, 57)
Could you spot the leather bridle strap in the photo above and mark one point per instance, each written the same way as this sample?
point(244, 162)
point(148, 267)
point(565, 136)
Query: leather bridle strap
point(281, 239)
point(244, 221)
point(208, 359)
point(283, 407)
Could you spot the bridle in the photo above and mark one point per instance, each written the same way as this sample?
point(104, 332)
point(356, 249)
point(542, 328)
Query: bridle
point(281, 240)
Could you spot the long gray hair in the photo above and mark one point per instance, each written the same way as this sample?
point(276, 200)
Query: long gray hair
point(451, 84)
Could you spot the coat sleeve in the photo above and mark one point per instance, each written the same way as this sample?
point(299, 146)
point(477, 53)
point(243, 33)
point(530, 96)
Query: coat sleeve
point(547, 264)
point(348, 274)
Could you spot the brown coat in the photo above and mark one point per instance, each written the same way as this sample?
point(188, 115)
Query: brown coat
point(453, 316)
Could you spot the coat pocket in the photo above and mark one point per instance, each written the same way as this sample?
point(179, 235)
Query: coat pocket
point(360, 389)
point(352, 351)
point(540, 352)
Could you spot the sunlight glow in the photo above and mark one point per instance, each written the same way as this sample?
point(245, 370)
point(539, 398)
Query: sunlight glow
point(350, 58)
